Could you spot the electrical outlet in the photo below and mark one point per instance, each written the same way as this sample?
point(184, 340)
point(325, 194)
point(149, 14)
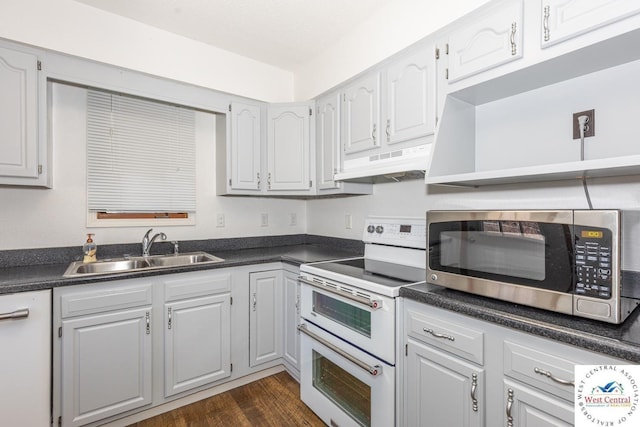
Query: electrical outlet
point(348, 221)
point(264, 220)
point(590, 125)
point(293, 219)
point(220, 220)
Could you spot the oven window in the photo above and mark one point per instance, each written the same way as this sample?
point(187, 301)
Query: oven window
point(354, 318)
point(349, 393)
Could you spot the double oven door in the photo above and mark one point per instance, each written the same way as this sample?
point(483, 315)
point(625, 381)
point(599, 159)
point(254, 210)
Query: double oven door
point(362, 318)
point(342, 384)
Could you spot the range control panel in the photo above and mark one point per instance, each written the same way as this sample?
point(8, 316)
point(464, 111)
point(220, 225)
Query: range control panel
point(593, 262)
point(396, 231)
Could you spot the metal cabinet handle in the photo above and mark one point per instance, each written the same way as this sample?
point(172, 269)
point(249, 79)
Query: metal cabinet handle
point(148, 320)
point(375, 370)
point(15, 315)
point(509, 406)
point(373, 134)
point(258, 178)
point(372, 303)
point(170, 318)
point(255, 301)
point(269, 180)
point(388, 130)
point(513, 39)
point(545, 24)
point(437, 335)
point(552, 377)
point(474, 388)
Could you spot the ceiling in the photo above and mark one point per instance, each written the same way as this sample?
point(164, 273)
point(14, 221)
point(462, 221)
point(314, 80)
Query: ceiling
point(283, 33)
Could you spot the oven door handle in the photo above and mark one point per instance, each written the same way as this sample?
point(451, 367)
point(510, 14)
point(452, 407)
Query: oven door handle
point(374, 304)
point(373, 370)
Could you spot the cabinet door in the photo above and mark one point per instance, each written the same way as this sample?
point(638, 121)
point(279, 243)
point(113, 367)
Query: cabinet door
point(244, 157)
point(565, 19)
point(491, 40)
point(25, 359)
point(265, 316)
point(328, 141)
point(106, 365)
point(360, 115)
point(410, 99)
point(291, 320)
point(527, 407)
point(203, 324)
point(440, 389)
point(18, 115)
point(288, 147)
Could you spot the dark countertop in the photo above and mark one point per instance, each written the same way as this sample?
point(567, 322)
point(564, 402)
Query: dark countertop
point(48, 276)
point(620, 341)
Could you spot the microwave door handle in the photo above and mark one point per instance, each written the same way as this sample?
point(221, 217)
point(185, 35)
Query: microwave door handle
point(372, 303)
point(373, 370)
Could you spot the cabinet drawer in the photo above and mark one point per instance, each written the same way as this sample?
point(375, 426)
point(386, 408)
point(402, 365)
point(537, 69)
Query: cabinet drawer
point(98, 299)
point(540, 368)
point(196, 284)
point(453, 337)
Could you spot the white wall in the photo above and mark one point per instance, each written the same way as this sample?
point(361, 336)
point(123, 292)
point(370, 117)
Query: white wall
point(77, 29)
point(395, 26)
point(36, 218)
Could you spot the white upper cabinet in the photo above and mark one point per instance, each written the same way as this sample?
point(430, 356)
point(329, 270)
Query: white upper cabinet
point(22, 158)
point(565, 19)
point(328, 141)
point(410, 96)
point(361, 114)
point(492, 39)
point(244, 157)
point(289, 147)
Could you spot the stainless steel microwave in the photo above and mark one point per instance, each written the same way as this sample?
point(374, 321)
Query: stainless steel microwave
point(568, 261)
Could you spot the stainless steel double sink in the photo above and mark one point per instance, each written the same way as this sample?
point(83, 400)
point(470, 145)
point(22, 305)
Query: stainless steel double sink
point(133, 264)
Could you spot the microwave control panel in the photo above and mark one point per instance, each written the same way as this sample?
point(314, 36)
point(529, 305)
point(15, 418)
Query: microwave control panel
point(593, 262)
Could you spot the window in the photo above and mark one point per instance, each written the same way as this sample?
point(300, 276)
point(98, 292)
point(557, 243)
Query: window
point(140, 159)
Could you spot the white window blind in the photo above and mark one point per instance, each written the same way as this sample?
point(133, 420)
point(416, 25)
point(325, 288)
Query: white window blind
point(140, 155)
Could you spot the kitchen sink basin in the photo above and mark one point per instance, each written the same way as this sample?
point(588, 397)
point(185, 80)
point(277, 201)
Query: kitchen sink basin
point(131, 264)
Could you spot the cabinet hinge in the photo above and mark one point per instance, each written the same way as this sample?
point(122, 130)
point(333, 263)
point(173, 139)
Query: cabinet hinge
point(344, 97)
point(39, 169)
point(406, 349)
point(230, 300)
point(39, 65)
point(437, 53)
point(229, 182)
point(231, 367)
point(60, 332)
point(310, 111)
point(229, 107)
point(436, 120)
point(310, 183)
point(446, 49)
point(446, 74)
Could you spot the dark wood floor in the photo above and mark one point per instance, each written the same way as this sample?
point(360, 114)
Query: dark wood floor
point(271, 401)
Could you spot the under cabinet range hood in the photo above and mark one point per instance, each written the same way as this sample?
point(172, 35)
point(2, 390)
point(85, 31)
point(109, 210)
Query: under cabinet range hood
point(392, 165)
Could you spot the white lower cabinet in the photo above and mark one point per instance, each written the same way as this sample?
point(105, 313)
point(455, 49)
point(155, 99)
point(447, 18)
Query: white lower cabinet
point(25, 359)
point(461, 371)
point(442, 389)
point(197, 331)
point(265, 316)
point(105, 357)
point(528, 407)
point(291, 336)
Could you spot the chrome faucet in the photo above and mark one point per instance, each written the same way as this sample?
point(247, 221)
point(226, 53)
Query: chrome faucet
point(146, 242)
